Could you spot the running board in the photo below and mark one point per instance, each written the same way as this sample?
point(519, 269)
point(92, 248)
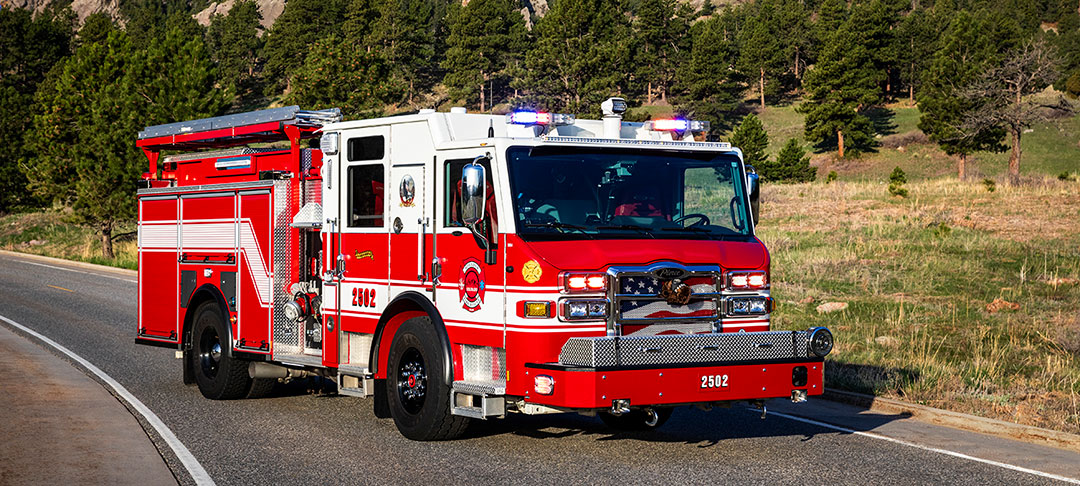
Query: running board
point(478, 400)
point(355, 386)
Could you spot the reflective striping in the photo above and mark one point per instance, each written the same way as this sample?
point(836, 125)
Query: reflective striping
point(211, 235)
point(198, 474)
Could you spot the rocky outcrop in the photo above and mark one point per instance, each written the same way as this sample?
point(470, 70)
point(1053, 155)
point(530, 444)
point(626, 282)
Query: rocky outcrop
point(270, 10)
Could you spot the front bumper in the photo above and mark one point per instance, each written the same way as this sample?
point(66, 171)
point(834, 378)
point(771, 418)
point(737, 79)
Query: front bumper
point(593, 388)
point(680, 369)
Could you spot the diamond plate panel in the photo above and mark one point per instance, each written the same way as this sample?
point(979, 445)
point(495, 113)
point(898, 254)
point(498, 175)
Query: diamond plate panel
point(287, 333)
point(684, 349)
point(359, 349)
point(483, 364)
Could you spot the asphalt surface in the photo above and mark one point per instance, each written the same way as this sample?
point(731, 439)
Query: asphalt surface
point(303, 436)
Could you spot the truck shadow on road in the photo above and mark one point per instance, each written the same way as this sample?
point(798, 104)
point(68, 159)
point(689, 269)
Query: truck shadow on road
point(687, 425)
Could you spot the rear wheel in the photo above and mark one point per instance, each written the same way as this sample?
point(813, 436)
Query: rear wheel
point(219, 377)
point(637, 419)
point(416, 390)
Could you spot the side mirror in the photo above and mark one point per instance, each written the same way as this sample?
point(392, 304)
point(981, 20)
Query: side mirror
point(753, 186)
point(473, 192)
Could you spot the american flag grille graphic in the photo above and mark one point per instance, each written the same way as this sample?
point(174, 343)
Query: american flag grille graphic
point(640, 300)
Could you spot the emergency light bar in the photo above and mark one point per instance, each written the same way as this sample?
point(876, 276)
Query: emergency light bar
point(677, 125)
point(539, 118)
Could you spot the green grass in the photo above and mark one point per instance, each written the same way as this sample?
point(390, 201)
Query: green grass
point(1050, 149)
point(48, 233)
point(918, 275)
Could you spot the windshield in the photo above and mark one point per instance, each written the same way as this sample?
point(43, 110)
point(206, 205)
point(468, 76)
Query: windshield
point(574, 193)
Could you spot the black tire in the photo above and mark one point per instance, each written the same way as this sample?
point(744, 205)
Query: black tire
point(636, 419)
point(261, 387)
point(219, 377)
point(416, 390)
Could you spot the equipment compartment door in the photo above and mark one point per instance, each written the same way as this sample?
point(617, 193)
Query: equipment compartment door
point(363, 242)
point(159, 273)
point(255, 297)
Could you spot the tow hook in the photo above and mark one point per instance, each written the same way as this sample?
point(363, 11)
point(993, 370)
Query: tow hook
point(798, 396)
point(651, 417)
point(760, 405)
point(619, 407)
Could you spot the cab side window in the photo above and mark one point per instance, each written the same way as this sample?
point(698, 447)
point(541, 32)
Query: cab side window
point(452, 176)
point(365, 196)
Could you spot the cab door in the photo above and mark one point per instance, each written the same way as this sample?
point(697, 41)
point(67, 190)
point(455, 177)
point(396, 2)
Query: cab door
point(470, 294)
point(359, 244)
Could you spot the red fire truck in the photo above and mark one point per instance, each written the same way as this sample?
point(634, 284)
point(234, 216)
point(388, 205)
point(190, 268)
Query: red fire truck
point(456, 266)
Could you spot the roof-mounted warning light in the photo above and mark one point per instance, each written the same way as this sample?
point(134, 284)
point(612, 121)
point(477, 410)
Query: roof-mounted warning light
point(524, 117)
point(677, 125)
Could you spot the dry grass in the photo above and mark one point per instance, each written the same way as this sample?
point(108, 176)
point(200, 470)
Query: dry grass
point(919, 274)
point(47, 233)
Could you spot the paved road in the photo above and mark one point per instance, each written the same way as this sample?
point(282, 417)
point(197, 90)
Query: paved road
point(299, 436)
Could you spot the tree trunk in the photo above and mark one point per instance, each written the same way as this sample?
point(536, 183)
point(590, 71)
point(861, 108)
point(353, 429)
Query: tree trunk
point(840, 142)
point(796, 63)
point(106, 241)
point(648, 95)
point(1014, 156)
point(481, 96)
point(961, 166)
point(761, 85)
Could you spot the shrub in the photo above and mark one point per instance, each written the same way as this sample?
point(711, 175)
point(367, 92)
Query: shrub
point(896, 183)
point(1064, 176)
point(990, 185)
point(831, 177)
point(791, 165)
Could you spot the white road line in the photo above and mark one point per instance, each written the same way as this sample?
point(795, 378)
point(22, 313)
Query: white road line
point(925, 448)
point(77, 271)
point(186, 458)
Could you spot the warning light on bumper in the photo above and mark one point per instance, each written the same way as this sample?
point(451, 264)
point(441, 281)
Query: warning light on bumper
point(544, 385)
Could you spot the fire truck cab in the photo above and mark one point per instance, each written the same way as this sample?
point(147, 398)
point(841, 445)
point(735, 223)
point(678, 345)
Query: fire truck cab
point(457, 266)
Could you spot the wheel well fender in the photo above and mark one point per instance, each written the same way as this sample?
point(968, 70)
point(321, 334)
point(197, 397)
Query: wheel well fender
point(405, 306)
point(206, 293)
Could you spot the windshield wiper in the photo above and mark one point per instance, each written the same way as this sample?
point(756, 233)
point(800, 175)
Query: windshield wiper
point(558, 225)
point(633, 227)
point(693, 229)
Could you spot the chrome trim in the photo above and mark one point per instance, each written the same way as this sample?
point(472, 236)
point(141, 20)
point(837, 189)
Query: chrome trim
point(206, 187)
point(688, 349)
point(614, 320)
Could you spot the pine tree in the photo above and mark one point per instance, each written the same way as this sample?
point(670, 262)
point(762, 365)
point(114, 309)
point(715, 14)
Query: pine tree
point(234, 43)
point(579, 56)
point(964, 52)
point(659, 39)
point(287, 42)
point(791, 165)
point(29, 48)
point(403, 33)
point(486, 39)
point(917, 38)
point(763, 57)
point(1067, 41)
point(750, 137)
point(343, 75)
point(842, 87)
point(92, 109)
point(708, 86)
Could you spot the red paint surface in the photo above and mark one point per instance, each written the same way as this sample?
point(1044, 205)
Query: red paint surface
point(596, 389)
point(597, 254)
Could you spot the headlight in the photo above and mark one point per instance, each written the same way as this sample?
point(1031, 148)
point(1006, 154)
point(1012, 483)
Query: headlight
point(748, 306)
point(821, 341)
point(573, 310)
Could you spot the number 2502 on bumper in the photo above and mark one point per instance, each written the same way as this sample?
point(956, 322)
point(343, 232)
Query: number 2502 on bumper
point(714, 381)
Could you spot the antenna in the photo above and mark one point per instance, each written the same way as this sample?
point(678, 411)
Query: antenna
point(491, 129)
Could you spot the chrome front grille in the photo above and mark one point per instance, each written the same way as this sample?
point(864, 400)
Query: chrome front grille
point(664, 299)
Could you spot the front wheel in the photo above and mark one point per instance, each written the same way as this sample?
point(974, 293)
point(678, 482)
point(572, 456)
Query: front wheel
point(416, 390)
point(219, 377)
